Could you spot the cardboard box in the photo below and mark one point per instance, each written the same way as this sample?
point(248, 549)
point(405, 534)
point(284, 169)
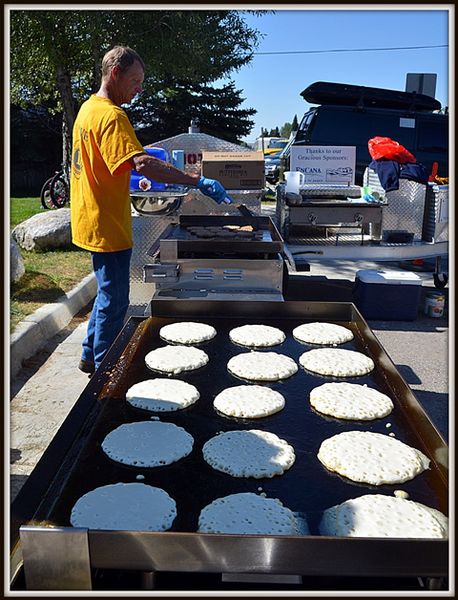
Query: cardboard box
point(235, 170)
point(387, 295)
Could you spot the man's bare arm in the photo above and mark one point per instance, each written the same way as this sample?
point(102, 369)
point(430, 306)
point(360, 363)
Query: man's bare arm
point(163, 172)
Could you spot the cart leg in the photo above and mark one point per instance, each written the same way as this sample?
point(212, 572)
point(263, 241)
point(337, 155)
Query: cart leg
point(435, 583)
point(440, 279)
point(148, 580)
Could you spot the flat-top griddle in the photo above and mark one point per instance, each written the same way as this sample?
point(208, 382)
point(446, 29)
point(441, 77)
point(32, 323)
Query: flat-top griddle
point(213, 235)
point(307, 488)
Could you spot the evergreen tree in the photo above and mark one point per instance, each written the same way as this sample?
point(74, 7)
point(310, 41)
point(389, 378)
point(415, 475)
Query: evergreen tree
point(171, 111)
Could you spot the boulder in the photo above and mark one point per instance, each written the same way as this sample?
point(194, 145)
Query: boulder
point(17, 268)
point(45, 231)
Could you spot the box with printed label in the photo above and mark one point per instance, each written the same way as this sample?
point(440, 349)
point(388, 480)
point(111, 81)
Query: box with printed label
point(235, 170)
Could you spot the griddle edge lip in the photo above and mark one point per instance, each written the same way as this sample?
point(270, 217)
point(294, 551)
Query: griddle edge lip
point(299, 555)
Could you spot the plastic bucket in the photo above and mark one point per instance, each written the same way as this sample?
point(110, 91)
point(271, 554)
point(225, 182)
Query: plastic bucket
point(434, 305)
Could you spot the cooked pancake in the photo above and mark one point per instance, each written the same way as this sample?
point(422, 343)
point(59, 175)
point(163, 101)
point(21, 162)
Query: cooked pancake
point(249, 401)
point(322, 333)
point(147, 444)
point(247, 513)
point(257, 335)
point(162, 395)
point(252, 453)
point(125, 506)
point(262, 366)
point(175, 359)
point(376, 515)
point(187, 332)
point(336, 362)
point(371, 458)
point(350, 401)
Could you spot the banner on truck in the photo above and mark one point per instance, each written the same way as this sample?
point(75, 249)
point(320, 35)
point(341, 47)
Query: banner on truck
point(324, 164)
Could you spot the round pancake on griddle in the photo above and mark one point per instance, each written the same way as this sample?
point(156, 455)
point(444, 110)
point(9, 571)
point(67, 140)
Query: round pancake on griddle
point(162, 395)
point(175, 359)
point(372, 458)
point(147, 444)
point(249, 401)
point(187, 332)
point(257, 335)
point(322, 333)
point(247, 513)
point(262, 366)
point(125, 506)
point(376, 515)
point(252, 453)
point(336, 362)
point(345, 400)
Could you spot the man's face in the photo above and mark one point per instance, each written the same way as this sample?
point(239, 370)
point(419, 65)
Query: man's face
point(129, 82)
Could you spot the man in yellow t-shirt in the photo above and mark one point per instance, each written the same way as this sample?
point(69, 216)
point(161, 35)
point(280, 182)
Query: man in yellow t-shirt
point(105, 150)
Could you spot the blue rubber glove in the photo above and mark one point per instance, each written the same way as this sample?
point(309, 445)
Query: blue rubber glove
point(213, 189)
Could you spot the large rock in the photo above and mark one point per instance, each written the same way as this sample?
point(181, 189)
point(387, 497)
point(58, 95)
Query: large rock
point(45, 231)
point(17, 268)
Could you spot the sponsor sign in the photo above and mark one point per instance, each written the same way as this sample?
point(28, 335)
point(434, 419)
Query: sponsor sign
point(324, 164)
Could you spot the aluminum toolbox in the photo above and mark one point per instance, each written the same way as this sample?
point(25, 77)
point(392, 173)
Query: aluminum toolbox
point(435, 224)
point(405, 207)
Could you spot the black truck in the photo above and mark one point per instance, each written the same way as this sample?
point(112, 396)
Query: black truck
point(350, 115)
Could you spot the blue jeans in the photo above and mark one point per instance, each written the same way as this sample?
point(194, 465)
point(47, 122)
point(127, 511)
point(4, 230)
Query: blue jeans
point(112, 271)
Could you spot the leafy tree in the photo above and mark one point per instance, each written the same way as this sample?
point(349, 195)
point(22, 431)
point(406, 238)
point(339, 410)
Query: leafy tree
point(56, 56)
point(294, 124)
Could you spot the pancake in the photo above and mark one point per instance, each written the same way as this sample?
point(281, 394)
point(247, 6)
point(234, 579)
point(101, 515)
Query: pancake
point(176, 359)
point(187, 332)
point(322, 333)
point(249, 401)
point(336, 362)
point(147, 444)
point(252, 453)
point(376, 515)
point(372, 458)
point(262, 366)
point(162, 395)
point(247, 513)
point(257, 335)
point(350, 401)
point(125, 506)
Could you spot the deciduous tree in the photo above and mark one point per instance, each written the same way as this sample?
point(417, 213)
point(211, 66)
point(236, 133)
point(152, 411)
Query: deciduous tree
point(56, 54)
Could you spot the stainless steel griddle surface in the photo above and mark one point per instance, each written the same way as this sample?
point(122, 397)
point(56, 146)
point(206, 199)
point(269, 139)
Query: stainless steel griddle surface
point(307, 488)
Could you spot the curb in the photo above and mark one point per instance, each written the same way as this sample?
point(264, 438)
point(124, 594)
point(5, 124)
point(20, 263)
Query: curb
point(32, 334)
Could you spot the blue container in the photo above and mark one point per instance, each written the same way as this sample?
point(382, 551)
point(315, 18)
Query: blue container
point(155, 185)
point(387, 295)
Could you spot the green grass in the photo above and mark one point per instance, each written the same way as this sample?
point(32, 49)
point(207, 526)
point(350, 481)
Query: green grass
point(22, 209)
point(48, 275)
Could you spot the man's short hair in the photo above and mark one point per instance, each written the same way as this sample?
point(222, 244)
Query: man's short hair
point(121, 56)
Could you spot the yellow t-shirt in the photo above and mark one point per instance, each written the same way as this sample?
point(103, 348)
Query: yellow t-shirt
point(103, 140)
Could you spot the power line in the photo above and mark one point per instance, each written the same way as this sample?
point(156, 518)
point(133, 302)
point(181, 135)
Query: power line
point(350, 50)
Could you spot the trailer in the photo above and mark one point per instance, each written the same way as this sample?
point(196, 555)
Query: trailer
point(326, 222)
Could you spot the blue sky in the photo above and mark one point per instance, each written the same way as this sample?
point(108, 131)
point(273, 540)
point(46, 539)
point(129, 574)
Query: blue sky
point(272, 83)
